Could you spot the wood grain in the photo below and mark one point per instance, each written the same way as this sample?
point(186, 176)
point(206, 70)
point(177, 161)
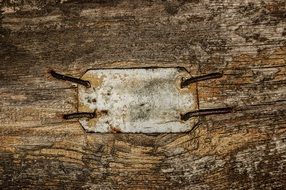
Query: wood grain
point(243, 39)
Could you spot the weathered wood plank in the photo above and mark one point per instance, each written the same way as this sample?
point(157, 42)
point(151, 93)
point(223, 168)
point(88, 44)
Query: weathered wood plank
point(244, 39)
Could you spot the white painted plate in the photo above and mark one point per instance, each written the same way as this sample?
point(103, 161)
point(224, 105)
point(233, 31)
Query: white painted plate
point(137, 100)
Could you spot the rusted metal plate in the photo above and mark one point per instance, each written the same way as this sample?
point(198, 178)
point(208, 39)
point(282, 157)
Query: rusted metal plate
point(137, 100)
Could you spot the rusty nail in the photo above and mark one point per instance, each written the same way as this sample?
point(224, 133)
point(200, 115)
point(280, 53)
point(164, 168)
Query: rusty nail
point(191, 80)
point(71, 79)
point(201, 112)
point(79, 115)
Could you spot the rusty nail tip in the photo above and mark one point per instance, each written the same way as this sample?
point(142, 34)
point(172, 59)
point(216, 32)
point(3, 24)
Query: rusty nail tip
point(79, 115)
point(70, 79)
point(187, 82)
point(202, 112)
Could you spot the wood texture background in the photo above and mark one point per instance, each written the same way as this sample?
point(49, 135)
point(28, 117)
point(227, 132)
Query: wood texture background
point(246, 39)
